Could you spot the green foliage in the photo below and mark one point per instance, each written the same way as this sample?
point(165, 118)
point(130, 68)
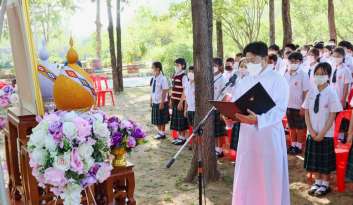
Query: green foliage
point(100, 151)
point(74, 175)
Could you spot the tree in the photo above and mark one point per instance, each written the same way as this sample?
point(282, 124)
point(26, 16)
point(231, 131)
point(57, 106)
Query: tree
point(271, 7)
point(219, 39)
point(118, 74)
point(98, 29)
point(202, 37)
point(286, 20)
point(331, 20)
point(112, 44)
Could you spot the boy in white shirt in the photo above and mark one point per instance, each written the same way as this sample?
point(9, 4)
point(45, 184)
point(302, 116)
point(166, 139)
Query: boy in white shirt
point(159, 100)
point(190, 97)
point(229, 69)
point(348, 48)
point(280, 66)
point(299, 85)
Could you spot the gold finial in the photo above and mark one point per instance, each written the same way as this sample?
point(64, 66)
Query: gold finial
point(71, 56)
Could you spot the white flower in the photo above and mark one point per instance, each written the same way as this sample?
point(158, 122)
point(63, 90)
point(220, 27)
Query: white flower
point(69, 130)
point(72, 194)
point(62, 162)
point(41, 127)
point(88, 163)
point(37, 138)
point(101, 129)
point(85, 151)
point(14, 98)
point(70, 116)
point(98, 117)
point(2, 92)
point(38, 156)
point(104, 172)
point(50, 143)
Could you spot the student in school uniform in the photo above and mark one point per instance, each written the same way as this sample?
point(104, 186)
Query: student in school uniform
point(237, 59)
point(326, 56)
point(229, 69)
point(321, 106)
point(320, 46)
point(179, 122)
point(341, 77)
point(313, 59)
point(299, 85)
point(159, 100)
point(272, 61)
point(348, 49)
point(190, 97)
point(219, 83)
point(280, 64)
point(304, 51)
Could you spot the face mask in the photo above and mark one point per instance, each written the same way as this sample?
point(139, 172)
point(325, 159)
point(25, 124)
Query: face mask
point(311, 59)
point(236, 65)
point(337, 61)
point(293, 67)
point(254, 69)
point(326, 55)
point(272, 52)
point(191, 76)
point(320, 79)
point(177, 69)
point(215, 69)
point(229, 68)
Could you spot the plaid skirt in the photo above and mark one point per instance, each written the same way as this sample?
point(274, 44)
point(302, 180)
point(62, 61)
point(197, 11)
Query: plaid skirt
point(349, 174)
point(160, 117)
point(179, 122)
point(295, 120)
point(235, 136)
point(191, 116)
point(320, 156)
point(220, 125)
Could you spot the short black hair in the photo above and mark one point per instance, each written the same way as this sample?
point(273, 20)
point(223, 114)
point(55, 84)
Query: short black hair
point(239, 55)
point(319, 45)
point(291, 46)
point(346, 44)
point(273, 57)
point(306, 47)
point(182, 62)
point(258, 48)
point(191, 68)
point(230, 60)
point(329, 48)
point(326, 67)
point(340, 51)
point(218, 61)
point(315, 51)
point(295, 56)
point(157, 64)
point(274, 47)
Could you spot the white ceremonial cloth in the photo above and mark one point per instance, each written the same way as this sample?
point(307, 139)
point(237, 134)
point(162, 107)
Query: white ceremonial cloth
point(261, 173)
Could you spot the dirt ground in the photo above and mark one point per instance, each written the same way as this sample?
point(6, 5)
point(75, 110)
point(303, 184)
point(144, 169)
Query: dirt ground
point(156, 185)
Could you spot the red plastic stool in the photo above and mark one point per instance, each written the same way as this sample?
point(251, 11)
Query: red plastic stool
point(174, 134)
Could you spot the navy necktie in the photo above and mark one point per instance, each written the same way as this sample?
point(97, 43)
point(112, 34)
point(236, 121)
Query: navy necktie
point(316, 105)
point(334, 78)
point(154, 86)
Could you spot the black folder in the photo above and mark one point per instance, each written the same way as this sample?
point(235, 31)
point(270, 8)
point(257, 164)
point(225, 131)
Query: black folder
point(255, 99)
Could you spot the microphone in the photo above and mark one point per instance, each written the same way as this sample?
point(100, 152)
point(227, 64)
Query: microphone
point(232, 80)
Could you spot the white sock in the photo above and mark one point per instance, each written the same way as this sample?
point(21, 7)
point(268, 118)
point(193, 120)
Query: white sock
point(341, 136)
point(294, 144)
point(318, 182)
point(219, 149)
point(181, 137)
point(299, 145)
point(161, 133)
point(325, 183)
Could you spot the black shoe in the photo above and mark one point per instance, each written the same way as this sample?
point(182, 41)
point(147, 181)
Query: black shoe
point(313, 189)
point(292, 151)
point(322, 191)
point(159, 137)
point(297, 150)
point(219, 154)
point(179, 142)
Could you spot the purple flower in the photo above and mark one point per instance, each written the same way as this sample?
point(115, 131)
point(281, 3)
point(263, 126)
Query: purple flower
point(56, 130)
point(138, 133)
point(84, 128)
point(131, 142)
point(94, 169)
point(125, 124)
point(76, 163)
point(117, 139)
point(88, 180)
point(7, 89)
point(114, 123)
point(55, 177)
point(4, 101)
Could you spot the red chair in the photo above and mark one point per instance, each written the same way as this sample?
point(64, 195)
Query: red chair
point(350, 97)
point(101, 91)
point(342, 151)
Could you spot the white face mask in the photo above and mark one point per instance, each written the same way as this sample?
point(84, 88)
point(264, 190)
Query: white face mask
point(191, 76)
point(236, 65)
point(293, 67)
point(337, 61)
point(311, 59)
point(320, 79)
point(215, 69)
point(254, 69)
point(326, 55)
point(177, 69)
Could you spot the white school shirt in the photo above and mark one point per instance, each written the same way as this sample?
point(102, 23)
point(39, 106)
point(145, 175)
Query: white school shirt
point(343, 76)
point(298, 83)
point(228, 74)
point(281, 66)
point(219, 83)
point(328, 103)
point(348, 61)
point(190, 96)
point(161, 84)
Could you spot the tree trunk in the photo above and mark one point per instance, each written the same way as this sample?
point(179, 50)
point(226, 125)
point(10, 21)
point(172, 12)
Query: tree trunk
point(202, 46)
point(98, 30)
point(219, 39)
point(331, 20)
point(119, 57)
point(272, 22)
point(112, 46)
point(287, 25)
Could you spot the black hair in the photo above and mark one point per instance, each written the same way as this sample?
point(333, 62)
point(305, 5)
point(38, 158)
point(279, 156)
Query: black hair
point(230, 60)
point(191, 68)
point(13, 81)
point(346, 44)
point(273, 57)
point(340, 51)
point(218, 62)
point(258, 48)
point(295, 56)
point(319, 45)
point(291, 46)
point(274, 47)
point(182, 62)
point(329, 48)
point(239, 55)
point(287, 53)
point(157, 64)
point(326, 67)
point(315, 51)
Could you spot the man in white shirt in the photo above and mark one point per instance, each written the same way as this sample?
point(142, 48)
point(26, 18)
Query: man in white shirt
point(280, 66)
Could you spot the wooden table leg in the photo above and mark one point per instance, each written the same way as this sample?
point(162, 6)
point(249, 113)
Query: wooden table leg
point(130, 184)
point(14, 172)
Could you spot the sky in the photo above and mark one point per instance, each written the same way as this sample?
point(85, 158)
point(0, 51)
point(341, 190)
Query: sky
point(82, 23)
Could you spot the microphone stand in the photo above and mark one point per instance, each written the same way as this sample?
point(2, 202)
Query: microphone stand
point(198, 131)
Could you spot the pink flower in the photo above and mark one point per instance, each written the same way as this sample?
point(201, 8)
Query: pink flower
point(55, 177)
point(131, 142)
point(84, 128)
point(76, 163)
